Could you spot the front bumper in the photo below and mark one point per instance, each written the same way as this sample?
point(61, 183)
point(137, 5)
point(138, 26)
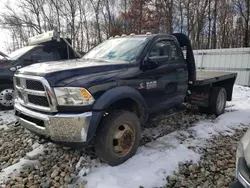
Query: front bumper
point(66, 128)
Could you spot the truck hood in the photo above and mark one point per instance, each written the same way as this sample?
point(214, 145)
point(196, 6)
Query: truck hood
point(64, 72)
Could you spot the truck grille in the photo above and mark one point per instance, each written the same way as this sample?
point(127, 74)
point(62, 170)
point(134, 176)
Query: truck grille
point(38, 100)
point(34, 85)
point(34, 92)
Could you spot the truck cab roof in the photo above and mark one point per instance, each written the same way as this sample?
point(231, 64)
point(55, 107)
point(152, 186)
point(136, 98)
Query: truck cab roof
point(151, 36)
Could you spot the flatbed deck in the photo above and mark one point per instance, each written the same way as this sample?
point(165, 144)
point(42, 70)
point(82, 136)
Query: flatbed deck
point(209, 77)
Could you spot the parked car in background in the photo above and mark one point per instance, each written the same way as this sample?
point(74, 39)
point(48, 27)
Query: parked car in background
point(41, 48)
point(243, 162)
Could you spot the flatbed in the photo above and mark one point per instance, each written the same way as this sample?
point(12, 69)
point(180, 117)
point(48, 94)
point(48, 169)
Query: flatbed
point(209, 77)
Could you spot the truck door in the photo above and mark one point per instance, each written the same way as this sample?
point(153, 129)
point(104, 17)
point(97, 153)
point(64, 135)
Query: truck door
point(164, 86)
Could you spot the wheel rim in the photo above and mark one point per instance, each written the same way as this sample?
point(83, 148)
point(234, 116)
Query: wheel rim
point(123, 139)
point(220, 101)
point(6, 97)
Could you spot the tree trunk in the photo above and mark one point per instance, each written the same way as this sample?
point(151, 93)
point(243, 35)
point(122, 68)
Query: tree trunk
point(125, 21)
point(214, 32)
point(181, 12)
point(140, 17)
point(246, 37)
point(209, 25)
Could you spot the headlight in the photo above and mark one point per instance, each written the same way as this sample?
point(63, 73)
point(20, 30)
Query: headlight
point(73, 96)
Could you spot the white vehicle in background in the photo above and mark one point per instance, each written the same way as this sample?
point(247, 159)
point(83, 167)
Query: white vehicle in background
point(41, 48)
point(243, 163)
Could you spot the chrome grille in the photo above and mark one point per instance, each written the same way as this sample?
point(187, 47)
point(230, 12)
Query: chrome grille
point(34, 85)
point(38, 100)
point(34, 92)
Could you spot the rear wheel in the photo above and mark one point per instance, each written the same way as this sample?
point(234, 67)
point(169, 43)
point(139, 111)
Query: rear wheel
point(118, 137)
point(217, 102)
point(6, 97)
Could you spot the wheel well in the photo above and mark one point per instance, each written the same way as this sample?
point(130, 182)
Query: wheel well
point(129, 105)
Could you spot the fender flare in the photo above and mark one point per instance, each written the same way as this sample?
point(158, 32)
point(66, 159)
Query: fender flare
point(110, 97)
point(118, 93)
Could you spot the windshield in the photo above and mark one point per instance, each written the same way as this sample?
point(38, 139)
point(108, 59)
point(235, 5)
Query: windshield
point(18, 53)
point(118, 49)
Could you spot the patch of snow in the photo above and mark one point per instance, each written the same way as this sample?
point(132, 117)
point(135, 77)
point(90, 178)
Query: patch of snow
point(36, 151)
point(154, 161)
point(78, 164)
point(148, 168)
point(14, 169)
point(36, 145)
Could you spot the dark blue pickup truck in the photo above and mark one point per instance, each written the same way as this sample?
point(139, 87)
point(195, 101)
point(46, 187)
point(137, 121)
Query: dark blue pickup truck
point(106, 97)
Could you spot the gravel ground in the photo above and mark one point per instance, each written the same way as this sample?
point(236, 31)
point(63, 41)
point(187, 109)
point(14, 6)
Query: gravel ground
point(62, 167)
point(216, 167)
point(15, 142)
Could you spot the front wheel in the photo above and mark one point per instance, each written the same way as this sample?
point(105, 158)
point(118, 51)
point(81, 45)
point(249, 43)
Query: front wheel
point(6, 97)
point(118, 137)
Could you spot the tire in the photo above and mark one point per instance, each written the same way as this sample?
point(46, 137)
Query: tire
point(218, 100)
point(216, 93)
point(6, 97)
point(117, 127)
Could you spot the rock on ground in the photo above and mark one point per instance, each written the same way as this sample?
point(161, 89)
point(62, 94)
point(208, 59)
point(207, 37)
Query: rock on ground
point(15, 142)
point(216, 168)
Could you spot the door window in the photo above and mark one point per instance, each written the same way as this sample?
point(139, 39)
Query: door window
point(40, 55)
point(165, 48)
point(43, 56)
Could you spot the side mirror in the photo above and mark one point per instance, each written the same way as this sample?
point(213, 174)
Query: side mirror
point(149, 63)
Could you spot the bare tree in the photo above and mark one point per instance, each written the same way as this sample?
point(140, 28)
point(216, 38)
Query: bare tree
point(96, 4)
point(208, 23)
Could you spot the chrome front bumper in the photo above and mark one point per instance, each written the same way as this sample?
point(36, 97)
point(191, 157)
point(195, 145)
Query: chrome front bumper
point(58, 127)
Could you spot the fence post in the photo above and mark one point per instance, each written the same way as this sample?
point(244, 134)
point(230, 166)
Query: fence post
point(248, 68)
point(202, 60)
